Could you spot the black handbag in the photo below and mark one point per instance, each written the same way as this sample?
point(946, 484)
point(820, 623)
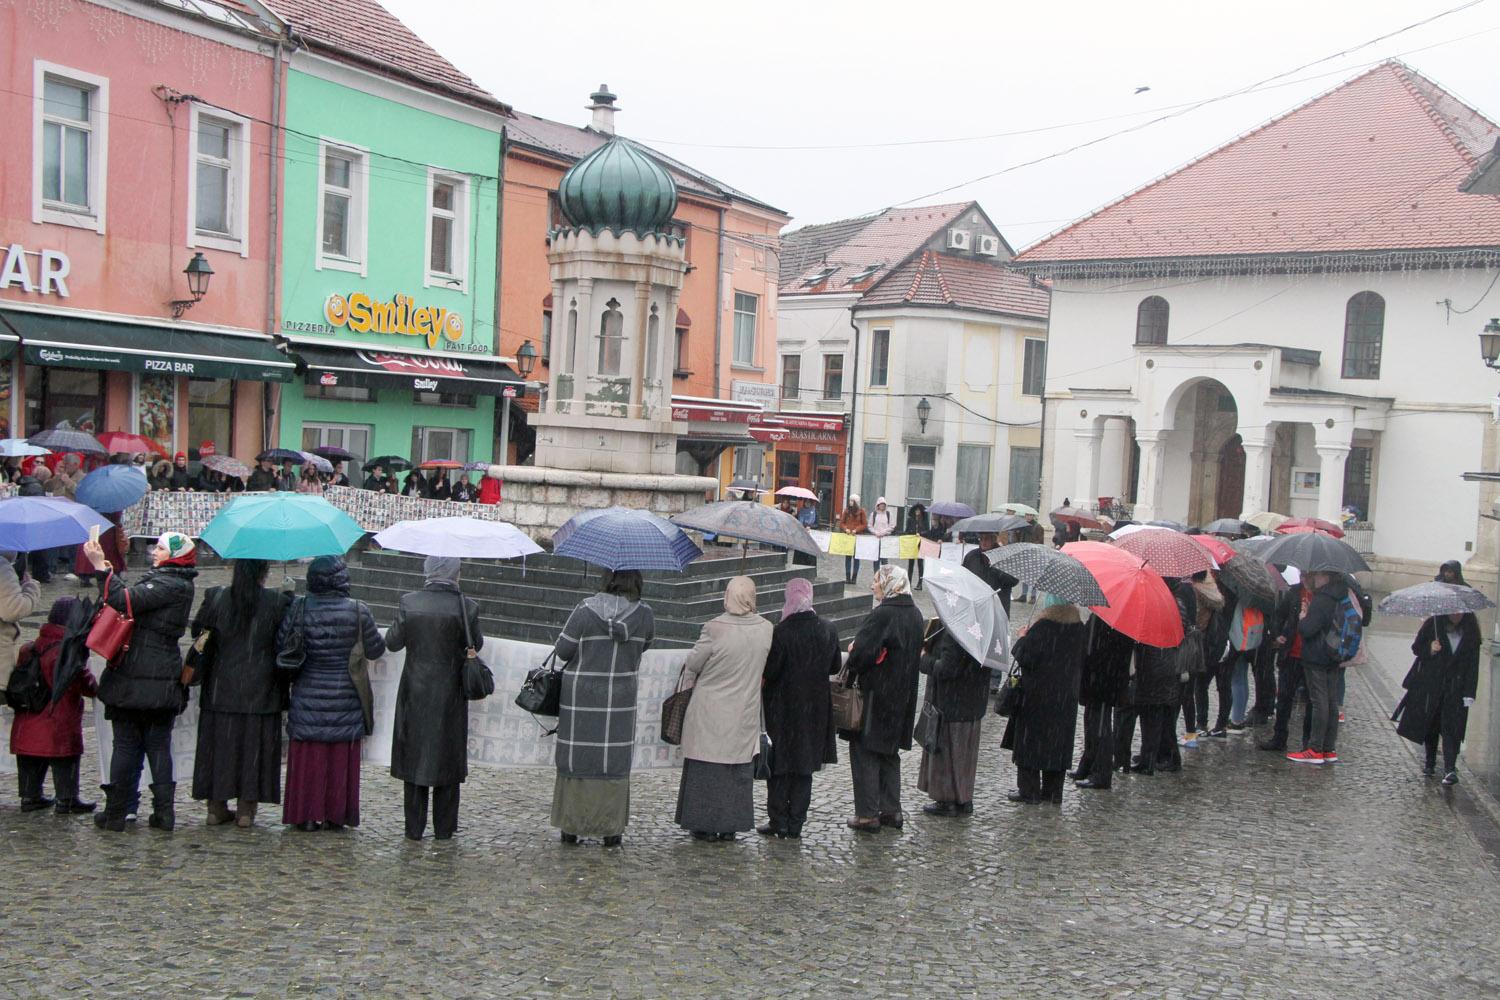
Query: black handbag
point(289, 658)
point(541, 692)
point(762, 762)
point(1008, 701)
point(479, 681)
point(928, 732)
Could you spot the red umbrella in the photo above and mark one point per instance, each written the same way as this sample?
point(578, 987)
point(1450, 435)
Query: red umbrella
point(1217, 547)
point(441, 463)
point(1140, 605)
point(1170, 553)
point(119, 441)
point(1299, 524)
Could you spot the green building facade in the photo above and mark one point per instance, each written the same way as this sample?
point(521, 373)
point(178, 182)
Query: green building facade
point(388, 274)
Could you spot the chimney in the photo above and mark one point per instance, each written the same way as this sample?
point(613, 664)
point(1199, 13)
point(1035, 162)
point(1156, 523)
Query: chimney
point(603, 109)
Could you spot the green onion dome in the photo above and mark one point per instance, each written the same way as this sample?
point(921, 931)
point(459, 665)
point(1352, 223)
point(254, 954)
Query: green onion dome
point(619, 188)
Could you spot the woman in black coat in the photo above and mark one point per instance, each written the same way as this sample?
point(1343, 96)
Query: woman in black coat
point(1105, 688)
point(884, 665)
point(1040, 732)
point(1157, 693)
point(1440, 689)
point(804, 654)
point(239, 708)
point(430, 744)
point(958, 686)
point(142, 688)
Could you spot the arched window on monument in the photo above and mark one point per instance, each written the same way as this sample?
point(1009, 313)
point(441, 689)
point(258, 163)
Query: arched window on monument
point(611, 338)
point(653, 342)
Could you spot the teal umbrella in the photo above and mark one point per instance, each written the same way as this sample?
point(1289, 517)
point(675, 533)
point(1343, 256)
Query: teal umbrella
point(281, 526)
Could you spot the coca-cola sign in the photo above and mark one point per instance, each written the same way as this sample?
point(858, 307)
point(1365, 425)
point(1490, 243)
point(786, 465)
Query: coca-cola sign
point(328, 378)
point(414, 364)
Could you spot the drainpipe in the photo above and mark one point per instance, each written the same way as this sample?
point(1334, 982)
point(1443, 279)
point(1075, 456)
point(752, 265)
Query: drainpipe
point(1041, 446)
point(503, 458)
point(271, 391)
point(853, 410)
point(719, 303)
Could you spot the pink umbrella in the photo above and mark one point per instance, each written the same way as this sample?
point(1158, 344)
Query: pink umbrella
point(797, 491)
point(1170, 553)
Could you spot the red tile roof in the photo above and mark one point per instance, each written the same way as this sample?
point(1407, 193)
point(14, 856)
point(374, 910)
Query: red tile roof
point(363, 31)
point(853, 246)
point(1371, 165)
point(945, 280)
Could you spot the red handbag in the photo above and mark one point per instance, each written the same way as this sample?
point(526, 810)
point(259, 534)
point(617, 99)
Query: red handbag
point(110, 634)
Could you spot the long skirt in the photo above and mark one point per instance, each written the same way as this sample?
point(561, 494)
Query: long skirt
point(716, 798)
point(591, 807)
point(948, 775)
point(322, 783)
point(239, 757)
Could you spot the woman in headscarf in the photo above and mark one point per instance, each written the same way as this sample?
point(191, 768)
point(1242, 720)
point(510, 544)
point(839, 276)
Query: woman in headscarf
point(721, 730)
point(1049, 655)
point(239, 709)
point(330, 710)
point(430, 743)
point(600, 652)
point(884, 664)
point(1440, 688)
point(804, 654)
point(142, 688)
point(958, 686)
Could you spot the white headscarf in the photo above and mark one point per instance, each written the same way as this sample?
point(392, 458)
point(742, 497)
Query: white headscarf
point(893, 581)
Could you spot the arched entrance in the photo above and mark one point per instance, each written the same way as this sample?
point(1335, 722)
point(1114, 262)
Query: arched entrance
point(1231, 491)
point(1206, 419)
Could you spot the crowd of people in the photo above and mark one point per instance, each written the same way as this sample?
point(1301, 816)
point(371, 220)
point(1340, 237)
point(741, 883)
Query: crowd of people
point(759, 703)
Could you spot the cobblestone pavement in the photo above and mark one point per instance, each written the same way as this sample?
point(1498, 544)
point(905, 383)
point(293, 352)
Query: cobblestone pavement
point(1244, 876)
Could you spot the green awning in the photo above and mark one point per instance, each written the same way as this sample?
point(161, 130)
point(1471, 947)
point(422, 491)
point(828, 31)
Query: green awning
point(70, 342)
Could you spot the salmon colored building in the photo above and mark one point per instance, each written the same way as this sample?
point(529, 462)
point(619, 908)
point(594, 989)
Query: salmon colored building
point(725, 329)
point(134, 147)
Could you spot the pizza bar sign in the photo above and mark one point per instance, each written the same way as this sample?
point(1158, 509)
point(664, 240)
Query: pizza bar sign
point(47, 276)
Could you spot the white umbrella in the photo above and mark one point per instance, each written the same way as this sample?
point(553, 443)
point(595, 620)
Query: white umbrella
point(801, 492)
point(459, 537)
point(970, 610)
point(20, 448)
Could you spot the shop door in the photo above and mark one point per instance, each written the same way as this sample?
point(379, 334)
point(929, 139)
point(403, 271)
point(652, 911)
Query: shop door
point(431, 444)
point(350, 437)
point(825, 479)
point(788, 468)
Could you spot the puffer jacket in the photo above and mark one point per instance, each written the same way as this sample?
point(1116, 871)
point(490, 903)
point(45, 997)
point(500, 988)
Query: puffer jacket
point(325, 705)
point(147, 677)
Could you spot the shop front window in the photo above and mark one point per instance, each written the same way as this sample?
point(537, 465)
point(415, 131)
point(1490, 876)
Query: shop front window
point(57, 394)
point(210, 416)
point(350, 437)
point(432, 444)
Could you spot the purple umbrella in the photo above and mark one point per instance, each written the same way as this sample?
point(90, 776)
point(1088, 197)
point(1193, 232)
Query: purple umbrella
point(950, 508)
point(29, 524)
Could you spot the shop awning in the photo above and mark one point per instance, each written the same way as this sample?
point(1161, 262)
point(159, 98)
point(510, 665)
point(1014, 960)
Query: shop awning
point(69, 342)
point(460, 373)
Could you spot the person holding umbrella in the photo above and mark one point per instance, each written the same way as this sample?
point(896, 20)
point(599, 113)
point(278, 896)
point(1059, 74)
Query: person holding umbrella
point(142, 690)
point(339, 476)
point(600, 649)
point(1049, 655)
point(884, 663)
point(239, 708)
point(958, 687)
point(376, 479)
point(1320, 666)
point(52, 737)
point(1108, 663)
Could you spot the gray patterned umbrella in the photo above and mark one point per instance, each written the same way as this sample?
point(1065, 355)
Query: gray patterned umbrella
point(1433, 598)
point(1225, 526)
point(753, 522)
point(1051, 570)
point(1250, 579)
point(64, 438)
point(984, 524)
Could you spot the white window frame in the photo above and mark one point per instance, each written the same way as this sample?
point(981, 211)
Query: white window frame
point(458, 280)
point(884, 370)
point(239, 183)
point(359, 205)
point(735, 360)
point(98, 147)
point(1041, 374)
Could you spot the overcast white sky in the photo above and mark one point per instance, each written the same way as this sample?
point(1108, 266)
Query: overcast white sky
point(696, 77)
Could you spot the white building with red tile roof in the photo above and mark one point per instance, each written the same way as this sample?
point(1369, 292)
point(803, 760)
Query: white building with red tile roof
point(884, 312)
point(1289, 323)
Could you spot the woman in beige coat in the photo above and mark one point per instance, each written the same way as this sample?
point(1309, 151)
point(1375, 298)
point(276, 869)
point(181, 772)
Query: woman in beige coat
point(721, 731)
point(19, 598)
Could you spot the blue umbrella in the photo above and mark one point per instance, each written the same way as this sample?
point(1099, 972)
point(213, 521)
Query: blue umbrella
point(950, 508)
point(112, 488)
point(620, 538)
point(281, 526)
point(29, 524)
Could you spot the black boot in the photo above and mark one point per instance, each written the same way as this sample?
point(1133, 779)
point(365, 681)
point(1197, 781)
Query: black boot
point(163, 806)
point(1430, 767)
point(113, 816)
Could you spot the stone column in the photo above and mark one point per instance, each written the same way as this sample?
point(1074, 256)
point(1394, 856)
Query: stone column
point(1086, 474)
point(1257, 475)
point(1148, 487)
point(1331, 480)
point(638, 354)
point(557, 359)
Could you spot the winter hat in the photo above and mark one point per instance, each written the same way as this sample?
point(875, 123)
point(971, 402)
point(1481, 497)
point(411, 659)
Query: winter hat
point(61, 608)
point(854, 499)
point(178, 546)
point(180, 456)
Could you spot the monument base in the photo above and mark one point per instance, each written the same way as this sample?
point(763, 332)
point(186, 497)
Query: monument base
point(618, 445)
point(540, 500)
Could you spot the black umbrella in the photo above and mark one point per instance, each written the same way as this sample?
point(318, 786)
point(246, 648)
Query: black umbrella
point(1433, 598)
point(1250, 580)
point(1225, 526)
point(1313, 552)
point(72, 654)
point(334, 454)
point(1051, 570)
point(1254, 545)
point(390, 463)
point(281, 455)
point(986, 524)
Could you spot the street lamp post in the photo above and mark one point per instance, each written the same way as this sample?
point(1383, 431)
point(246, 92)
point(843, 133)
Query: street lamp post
point(525, 364)
point(1489, 350)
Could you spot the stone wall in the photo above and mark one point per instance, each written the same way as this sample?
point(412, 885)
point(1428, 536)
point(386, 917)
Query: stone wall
point(540, 500)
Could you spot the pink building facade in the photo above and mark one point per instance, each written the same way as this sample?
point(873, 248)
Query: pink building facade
point(131, 146)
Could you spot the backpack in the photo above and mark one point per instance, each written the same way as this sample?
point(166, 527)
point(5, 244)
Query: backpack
point(28, 690)
point(1247, 629)
point(1346, 630)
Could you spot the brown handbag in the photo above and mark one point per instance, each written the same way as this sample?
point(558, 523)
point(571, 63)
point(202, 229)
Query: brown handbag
point(674, 711)
point(848, 704)
point(111, 631)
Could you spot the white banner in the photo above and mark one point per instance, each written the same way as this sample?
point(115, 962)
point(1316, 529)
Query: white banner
point(500, 734)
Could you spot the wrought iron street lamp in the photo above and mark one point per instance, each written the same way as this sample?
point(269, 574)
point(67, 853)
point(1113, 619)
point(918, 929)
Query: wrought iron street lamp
point(924, 410)
point(1489, 343)
point(526, 359)
point(198, 274)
